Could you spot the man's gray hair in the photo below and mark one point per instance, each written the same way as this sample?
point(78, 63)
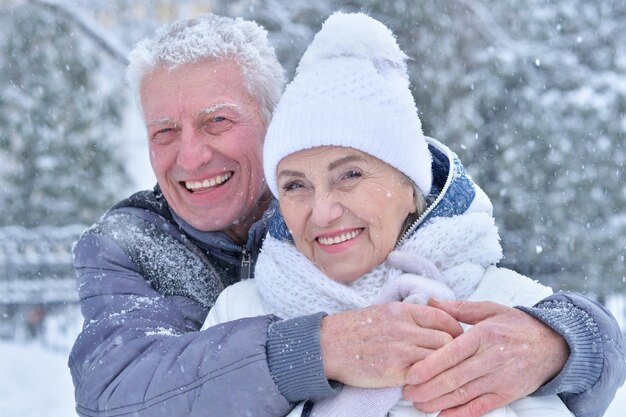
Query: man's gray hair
point(213, 37)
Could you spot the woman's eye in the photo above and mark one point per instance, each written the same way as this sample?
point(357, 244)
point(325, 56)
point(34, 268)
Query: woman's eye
point(352, 174)
point(294, 185)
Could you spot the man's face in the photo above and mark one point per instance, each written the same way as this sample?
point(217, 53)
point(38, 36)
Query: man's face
point(205, 135)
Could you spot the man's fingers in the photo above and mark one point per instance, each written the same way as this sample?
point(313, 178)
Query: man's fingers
point(475, 408)
point(456, 381)
point(443, 359)
point(470, 312)
point(468, 400)
point(501, 359)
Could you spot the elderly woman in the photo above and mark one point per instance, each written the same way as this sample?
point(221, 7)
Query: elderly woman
point(373, 211)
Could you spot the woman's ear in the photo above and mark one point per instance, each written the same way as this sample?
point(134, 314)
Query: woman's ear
point(414, 199)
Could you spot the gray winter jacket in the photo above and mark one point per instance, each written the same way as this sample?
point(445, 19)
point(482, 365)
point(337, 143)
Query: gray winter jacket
point(146, 281)
point(145, 287)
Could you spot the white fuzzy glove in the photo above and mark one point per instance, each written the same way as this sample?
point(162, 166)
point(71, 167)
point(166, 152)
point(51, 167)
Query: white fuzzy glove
point(420, 281)
point(413, 264)
point(414, 289)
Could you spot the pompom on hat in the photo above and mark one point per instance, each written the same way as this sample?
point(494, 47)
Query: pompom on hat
point(351, 89)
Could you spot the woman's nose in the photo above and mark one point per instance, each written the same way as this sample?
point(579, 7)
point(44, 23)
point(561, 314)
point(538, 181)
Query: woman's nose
point(326, 211)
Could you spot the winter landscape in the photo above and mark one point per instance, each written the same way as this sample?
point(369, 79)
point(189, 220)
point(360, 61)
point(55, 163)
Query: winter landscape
point(531, 95)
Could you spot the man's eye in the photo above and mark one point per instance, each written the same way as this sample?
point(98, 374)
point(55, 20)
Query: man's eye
point(218, 124)
point(163, 135)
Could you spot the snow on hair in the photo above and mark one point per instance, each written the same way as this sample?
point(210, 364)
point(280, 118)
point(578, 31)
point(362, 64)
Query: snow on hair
point(213, 37)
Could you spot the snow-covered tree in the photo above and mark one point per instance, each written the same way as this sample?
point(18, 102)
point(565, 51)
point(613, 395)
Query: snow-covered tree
point(532, 95)
point(60, 121)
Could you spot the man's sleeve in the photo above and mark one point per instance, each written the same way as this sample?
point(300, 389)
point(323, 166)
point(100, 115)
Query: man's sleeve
point(293, 346)
point(596, 367)
point(140, 353)
point(295, 358)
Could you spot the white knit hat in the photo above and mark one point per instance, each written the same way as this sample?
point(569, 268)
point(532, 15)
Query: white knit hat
point(351, 89)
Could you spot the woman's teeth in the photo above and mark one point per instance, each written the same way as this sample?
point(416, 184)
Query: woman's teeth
point(340, 238)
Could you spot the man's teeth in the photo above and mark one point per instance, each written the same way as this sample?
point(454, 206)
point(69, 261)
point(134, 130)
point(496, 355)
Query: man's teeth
point(210, 182)
point(338, 239)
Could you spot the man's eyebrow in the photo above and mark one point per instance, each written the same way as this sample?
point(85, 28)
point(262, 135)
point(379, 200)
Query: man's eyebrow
point(161, 121)
point(207, 110)
point(215, 107)
point(345, 160)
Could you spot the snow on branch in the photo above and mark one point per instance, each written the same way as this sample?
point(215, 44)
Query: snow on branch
point(497, 35)
point(90, 28)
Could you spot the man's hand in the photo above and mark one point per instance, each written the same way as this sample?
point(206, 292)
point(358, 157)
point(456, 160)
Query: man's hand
point(374, 347)
point(504, 357)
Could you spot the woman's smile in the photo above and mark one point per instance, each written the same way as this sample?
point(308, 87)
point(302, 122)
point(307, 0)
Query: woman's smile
point(340, 237)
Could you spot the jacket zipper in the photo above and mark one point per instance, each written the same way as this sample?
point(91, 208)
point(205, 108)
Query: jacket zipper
point(246, 264)
point(430, 208)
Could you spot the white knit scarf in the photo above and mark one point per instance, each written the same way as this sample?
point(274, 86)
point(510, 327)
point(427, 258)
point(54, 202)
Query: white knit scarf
point(461, 248)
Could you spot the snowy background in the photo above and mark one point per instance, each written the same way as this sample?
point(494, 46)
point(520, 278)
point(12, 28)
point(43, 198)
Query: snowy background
point(531, 95)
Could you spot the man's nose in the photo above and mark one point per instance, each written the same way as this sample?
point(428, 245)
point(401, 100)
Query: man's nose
point(326, 210)
point(194, 149)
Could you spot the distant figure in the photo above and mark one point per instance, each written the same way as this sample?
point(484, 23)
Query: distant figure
point(34, 321)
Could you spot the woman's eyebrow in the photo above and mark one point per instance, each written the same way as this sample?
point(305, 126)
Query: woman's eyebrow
point(332, 165)
point(345, 160)
point(290, 173)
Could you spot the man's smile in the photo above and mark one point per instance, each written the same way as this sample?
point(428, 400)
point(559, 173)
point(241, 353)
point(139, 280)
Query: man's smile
point(195, 186)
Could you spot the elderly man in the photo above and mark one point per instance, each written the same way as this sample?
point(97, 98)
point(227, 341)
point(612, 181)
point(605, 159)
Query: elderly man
point(151, 268)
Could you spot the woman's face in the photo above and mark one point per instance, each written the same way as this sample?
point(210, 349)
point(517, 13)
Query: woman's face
point(344, 208)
